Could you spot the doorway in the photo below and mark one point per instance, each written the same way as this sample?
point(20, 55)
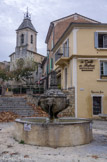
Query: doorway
point(97, 105)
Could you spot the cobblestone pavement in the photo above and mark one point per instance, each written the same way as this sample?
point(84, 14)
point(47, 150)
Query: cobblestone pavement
point(12, 151)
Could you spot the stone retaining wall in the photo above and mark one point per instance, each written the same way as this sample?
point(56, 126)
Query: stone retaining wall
point(70, 111)
point(33, 99)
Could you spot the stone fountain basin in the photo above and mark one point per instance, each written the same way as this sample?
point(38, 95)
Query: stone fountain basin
point(64, 132)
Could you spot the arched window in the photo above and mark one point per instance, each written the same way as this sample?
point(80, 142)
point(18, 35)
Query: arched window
point(22, 38)
point(32, 39)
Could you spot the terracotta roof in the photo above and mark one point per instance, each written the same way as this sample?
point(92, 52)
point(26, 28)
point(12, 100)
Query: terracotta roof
point(64, 22)
point(76, 14)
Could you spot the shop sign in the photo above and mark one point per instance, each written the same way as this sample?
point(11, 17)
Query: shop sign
point(86, 65)
point(99, 92)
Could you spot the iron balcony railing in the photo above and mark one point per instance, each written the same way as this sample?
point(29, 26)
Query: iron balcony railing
point(62, 52)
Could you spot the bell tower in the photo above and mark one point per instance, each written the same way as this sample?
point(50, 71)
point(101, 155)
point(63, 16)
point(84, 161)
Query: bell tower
point(26, 38)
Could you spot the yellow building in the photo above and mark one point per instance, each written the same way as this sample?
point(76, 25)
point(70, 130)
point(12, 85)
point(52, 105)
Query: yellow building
point(83, 62)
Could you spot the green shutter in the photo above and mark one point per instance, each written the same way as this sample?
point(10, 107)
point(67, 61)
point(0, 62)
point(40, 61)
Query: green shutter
point(51, 63)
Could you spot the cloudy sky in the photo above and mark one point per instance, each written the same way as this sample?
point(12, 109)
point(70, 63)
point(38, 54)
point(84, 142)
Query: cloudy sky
point(42, 13)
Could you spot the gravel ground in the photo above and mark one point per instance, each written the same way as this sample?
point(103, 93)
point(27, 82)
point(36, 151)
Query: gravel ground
point(96, 151)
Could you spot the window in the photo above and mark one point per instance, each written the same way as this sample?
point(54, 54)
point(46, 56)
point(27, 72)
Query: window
point(103, 68)
point(100, 40)
point(22, 38)
point(97, 105)
point(66, 48)
point(32, 39)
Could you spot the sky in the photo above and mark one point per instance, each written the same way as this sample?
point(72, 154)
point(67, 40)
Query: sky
point(42, 13)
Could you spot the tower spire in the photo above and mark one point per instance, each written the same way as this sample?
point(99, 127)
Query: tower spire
point(27, 15)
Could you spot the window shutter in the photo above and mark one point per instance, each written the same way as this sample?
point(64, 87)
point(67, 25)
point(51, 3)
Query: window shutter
point(51, 63)
point(67, 47)
point(63, 49)
point(52, 44)
point(96, 39)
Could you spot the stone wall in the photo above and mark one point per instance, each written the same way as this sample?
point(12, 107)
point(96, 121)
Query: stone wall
point(33, 99)
point(70, 111)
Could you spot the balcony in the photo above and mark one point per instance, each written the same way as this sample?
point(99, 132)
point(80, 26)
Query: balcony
point(62, 56)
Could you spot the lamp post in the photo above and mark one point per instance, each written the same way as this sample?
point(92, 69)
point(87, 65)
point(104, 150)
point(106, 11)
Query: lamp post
point(47, 70)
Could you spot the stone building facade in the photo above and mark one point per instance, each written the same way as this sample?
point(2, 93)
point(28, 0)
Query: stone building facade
point(26, 48)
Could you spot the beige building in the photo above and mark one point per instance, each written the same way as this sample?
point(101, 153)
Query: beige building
point(81, 55)
point(5, 65)
point(26, 45)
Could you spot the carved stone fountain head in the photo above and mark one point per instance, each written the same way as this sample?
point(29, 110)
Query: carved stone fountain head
point(53, 100)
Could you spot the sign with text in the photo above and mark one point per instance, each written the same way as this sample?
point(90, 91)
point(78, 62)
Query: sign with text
point(27, 127)
point(97, 91)
point(86, 65)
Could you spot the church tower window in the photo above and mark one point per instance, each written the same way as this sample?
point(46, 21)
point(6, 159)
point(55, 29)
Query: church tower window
point(32, 39)
point(22, 38)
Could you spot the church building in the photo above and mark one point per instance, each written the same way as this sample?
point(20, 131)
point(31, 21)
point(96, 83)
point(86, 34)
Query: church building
point(26, 45)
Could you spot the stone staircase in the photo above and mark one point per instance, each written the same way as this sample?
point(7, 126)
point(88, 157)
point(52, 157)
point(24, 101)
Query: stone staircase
point(18, 105)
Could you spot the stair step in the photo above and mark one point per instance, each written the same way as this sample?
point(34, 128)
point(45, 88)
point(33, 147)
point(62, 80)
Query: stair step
point(17, 105)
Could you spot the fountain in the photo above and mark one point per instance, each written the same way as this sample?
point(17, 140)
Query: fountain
point(53, 100)
point(53, 131)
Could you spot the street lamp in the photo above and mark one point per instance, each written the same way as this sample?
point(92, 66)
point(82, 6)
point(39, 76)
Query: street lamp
point(47, 72)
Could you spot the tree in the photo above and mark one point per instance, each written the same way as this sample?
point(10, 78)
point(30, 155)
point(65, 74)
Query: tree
point(24, 73)
point(4, 75)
